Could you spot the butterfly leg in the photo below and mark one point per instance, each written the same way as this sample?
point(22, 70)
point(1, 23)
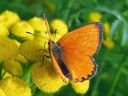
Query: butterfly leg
point(44, 58)
point(42, 50)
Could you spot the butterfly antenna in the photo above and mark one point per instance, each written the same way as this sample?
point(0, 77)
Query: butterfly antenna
point(47, 26)
point(36, 35)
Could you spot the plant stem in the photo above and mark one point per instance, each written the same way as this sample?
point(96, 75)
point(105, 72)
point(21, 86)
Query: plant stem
point(117, 74)
point(1, 67)
point(26, 76)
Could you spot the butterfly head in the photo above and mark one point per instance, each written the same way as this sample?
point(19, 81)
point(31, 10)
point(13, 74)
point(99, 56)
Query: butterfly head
point(52, 44)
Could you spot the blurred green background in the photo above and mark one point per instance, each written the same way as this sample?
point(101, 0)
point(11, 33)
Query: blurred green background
point(112, 75)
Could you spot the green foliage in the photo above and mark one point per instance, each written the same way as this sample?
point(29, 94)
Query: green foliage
point(112, 75)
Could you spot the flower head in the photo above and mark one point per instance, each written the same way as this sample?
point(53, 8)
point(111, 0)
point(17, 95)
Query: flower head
point(42, 37)
point(107, 29)
point(17, 42)
point(6, 74)
point(20, 30)
point(80, 87)
point(13, 86)
point(13, 67)
point(45, 77)
point(3, 30)
point(32, 50)
point(40, 29)
point(107, 42)
point(60, 26)
point(95, 16)
point(2, 93)
point(56, 37)
point(8, 49)
point(20, 58)
point(9, 18)
point(38, 24)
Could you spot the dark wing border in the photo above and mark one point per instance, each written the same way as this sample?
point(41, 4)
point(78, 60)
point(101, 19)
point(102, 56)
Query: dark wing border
point(100, 25)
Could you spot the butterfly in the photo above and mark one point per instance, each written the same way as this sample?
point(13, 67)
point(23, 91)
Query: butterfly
point(72, 55)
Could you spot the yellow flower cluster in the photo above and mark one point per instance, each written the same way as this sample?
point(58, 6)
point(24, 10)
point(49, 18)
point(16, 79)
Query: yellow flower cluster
point(25, 48)
point(10, 58)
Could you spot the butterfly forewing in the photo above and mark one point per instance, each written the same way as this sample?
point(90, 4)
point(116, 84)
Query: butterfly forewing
point(86, 39)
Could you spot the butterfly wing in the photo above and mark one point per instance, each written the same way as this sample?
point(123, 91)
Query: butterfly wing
point(81, 67)
point(86, 39)
point(78, 48)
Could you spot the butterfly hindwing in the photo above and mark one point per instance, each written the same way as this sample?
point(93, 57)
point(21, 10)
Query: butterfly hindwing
point(81, 67)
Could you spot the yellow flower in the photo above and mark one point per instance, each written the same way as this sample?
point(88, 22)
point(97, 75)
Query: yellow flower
point(45, 77)
point(56, 37)
point(107, 29)
point(8, 49)
point(81, 87)
point(2, 92)
point(95, 17)
point(3, 30)
point(41, 37)
point(6, 74)
point(40, 29)
point(20, 29)
point(9, 18)
point(38, 24)
point(21, 59)
point(13, 67)
point(108, 43)
point(60, 26)
point(32, 50)
point(13, 86)
point(17, 42)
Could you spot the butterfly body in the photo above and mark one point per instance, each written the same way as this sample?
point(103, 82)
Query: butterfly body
point(72, 55)
point(57, 50)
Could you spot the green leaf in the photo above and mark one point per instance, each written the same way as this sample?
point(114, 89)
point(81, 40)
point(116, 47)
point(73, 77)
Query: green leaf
point(114, 27)
point(125, 34)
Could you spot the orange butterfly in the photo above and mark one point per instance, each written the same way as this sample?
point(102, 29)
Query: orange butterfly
point(72, 55)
